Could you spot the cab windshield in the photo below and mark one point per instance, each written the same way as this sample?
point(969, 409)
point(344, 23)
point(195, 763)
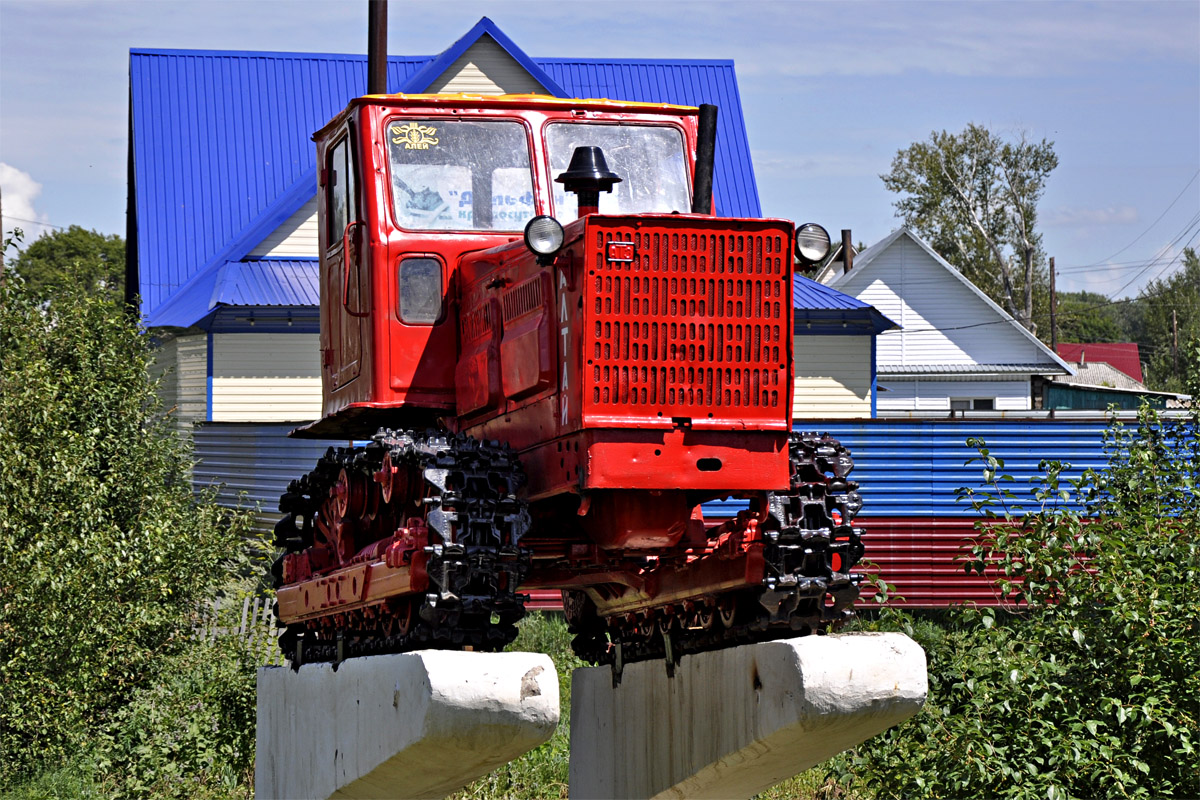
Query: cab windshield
point(649, 159)
point(460, 175)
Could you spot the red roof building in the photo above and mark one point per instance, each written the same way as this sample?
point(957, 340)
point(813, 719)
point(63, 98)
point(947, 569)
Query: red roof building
point(1122, 356)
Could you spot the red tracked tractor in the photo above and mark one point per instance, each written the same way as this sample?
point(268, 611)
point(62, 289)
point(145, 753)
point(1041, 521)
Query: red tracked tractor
point(555, 354)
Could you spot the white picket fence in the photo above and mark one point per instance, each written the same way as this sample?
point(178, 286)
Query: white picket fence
point(249, 618)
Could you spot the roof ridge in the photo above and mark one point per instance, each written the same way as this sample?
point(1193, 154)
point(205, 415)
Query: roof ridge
point(723, 62)
point(210, 52)
point(422, 78)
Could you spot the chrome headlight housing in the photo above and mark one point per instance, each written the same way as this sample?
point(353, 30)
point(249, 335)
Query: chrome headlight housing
point(544, 236)
point(812, 243)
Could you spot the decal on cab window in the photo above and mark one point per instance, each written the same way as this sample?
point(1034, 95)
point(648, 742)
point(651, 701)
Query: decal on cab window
point(414, 136)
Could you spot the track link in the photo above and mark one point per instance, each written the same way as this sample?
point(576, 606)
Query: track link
point(460, 492)
point(810, 548)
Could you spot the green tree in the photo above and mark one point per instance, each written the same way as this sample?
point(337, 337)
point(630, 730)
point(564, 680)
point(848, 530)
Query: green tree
point(1089, 317)
point(1084, 684)
point(74, 257)
point(1164, 306)
point(973, 197)
point(105, 551)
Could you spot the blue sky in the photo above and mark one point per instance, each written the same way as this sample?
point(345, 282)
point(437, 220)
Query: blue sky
point(831, 90)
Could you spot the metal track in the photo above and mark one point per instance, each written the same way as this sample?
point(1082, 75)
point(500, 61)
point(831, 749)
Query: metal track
point(809, 546)
point(464, 491)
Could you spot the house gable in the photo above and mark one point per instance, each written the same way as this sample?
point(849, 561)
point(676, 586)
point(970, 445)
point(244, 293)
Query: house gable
point(444, 64)
point(946, 324)
point(486, 68)
point(297, 237)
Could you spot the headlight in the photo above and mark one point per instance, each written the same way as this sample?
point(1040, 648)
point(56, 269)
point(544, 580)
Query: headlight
point(812, 243)
point(544, 236)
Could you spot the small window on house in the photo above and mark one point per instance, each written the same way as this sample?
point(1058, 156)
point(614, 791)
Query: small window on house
point(972, 404)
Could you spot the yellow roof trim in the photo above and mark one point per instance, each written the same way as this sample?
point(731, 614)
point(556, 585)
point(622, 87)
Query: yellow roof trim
point(517, 98)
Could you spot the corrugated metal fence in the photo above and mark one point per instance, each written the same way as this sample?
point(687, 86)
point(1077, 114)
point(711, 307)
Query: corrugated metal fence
point(913, 468)
point(251, 464)
point(909, 470)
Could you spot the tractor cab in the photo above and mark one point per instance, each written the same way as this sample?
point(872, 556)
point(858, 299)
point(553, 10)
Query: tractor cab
point(410, 184)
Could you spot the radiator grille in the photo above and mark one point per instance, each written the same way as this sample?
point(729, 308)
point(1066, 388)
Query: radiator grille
point(696, 325)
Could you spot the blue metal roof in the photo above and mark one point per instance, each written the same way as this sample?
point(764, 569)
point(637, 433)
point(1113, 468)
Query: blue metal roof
point(222, 152)
point(816, 302)
point(268, 282)
point(222, 156)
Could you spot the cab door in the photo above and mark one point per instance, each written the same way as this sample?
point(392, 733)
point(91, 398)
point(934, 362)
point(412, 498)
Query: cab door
point(345, 281)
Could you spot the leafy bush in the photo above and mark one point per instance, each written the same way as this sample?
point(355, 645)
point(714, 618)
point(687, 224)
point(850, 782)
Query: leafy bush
point(189, 731)
point(105, 552)
point(1084, 684)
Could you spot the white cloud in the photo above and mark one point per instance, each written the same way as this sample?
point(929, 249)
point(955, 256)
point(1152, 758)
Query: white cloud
point(19, 191)
point(978, 39)
point(1092, 217)
point(810, 165)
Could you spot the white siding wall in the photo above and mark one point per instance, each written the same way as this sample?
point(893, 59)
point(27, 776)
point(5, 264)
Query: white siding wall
point(935, 394)
point(939, 316)
point(265, 377)
point(833, 377)
point(295, 238)
point(182, 366)
point(485, 68)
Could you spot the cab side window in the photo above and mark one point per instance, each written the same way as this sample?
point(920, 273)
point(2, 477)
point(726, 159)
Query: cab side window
point(341, 196)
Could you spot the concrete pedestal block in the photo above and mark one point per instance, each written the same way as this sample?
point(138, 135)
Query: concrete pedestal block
point(734, 722)
point(408, 725)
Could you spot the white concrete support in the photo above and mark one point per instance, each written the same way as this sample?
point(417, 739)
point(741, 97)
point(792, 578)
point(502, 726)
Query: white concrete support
point(413, 725)
point(734, 722)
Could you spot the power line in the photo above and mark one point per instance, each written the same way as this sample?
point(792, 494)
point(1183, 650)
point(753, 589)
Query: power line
point(35, 222)
point(1111, 265)
point(1152, 224)
point(1152, 263)
point(1133, 264)
point(1074, 313)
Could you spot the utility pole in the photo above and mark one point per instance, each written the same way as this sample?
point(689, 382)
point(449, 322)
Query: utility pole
point(1174, 342)
point(1053, 310)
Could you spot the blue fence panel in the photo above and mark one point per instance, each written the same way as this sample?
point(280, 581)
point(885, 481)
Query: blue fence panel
point(251, 464)
point(915, 467)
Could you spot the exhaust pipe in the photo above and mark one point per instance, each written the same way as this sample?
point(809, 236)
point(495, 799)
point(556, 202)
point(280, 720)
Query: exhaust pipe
point(706, 151)
point(376, 46)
